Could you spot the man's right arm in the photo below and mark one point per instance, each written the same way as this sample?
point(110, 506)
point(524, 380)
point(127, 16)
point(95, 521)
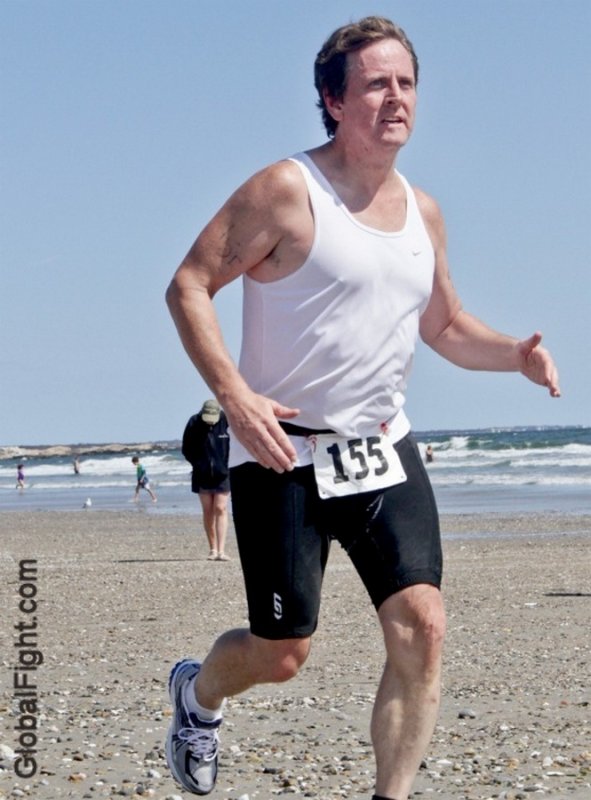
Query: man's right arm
point(240, 237)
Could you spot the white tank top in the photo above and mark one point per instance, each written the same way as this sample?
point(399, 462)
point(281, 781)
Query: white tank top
point(336, 337)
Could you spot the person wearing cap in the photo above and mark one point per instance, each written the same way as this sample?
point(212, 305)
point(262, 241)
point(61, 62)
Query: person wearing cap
point(206, 447)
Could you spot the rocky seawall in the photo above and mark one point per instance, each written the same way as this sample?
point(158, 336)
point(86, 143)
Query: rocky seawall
point(73, 450)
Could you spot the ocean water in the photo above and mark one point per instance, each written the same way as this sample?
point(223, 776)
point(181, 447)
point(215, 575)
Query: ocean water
point(509, 470)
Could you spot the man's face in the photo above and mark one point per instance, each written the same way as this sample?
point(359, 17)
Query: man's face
point(380, 99)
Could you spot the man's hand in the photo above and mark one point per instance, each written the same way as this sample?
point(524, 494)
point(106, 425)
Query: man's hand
point(536, 363)
point(253, 419)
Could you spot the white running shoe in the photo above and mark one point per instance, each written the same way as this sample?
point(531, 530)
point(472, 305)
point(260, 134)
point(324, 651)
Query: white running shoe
point(192, 744)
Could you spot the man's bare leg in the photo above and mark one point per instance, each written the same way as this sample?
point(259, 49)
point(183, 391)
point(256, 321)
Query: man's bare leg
point(240, 660)
point(407, 701)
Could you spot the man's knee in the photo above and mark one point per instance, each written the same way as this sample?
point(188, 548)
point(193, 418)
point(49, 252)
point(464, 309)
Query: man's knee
point(413, 621)
point(283, 658)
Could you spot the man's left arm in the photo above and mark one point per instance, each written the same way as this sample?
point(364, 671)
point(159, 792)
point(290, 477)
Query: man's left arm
point(465, 340)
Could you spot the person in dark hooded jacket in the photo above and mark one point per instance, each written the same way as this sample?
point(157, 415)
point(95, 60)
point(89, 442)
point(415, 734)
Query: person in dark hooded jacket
point(206, 447)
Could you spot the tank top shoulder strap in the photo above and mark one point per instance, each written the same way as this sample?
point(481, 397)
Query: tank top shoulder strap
point(315, 180)
point(413, 212)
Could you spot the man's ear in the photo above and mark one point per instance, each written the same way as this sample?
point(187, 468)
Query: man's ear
point(334, 106)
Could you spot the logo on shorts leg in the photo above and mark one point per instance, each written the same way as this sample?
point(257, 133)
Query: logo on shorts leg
point(277, 606)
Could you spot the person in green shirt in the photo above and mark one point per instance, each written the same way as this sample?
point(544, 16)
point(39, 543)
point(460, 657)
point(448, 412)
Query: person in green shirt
point(143, 481)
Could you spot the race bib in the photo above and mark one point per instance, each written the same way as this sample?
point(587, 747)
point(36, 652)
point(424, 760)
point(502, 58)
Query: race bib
point(350, 466)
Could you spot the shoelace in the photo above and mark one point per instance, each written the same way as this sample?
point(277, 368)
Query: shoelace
point(202, 743)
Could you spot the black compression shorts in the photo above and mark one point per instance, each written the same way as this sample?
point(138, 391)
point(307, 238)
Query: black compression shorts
point(284, 530)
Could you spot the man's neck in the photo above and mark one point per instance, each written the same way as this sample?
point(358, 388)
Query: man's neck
point(364, 173)
point(369, 188)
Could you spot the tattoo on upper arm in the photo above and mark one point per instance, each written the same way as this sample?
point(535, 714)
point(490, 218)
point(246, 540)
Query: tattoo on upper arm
point(230, 257)
point(229, 249)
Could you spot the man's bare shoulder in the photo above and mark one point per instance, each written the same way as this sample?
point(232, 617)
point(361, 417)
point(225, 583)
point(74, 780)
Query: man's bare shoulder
point(428, 206)
point(281, 183)
point(266, 225)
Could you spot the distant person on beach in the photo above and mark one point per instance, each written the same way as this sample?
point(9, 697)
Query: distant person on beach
point(76, 466)
point(206, 446)
point(343, 266)
point(429, 454)
point(143, 482)
point(20, 477)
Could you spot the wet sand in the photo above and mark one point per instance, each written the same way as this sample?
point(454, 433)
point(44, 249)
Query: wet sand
point(111, 600)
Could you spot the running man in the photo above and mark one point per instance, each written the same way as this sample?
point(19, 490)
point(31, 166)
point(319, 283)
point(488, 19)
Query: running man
point(344, 265)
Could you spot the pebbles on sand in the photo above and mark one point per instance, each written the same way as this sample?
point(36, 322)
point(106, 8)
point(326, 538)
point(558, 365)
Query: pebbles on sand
point(122, 596)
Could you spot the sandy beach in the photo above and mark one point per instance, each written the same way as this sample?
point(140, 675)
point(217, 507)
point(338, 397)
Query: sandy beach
point(98, 606)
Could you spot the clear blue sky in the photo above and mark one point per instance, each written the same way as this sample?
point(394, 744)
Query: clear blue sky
point(125, 125)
